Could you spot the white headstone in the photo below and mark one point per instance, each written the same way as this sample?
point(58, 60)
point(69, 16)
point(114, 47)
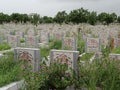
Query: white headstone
point(31, 42)
point(30, 54)
point(65, 56)
point(69, 43)
point(92, 45)
point(14, 41)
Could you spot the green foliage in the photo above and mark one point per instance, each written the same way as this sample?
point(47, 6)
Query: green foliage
point(92, 18)
point(56, 44)
point(4, 47)
point(106, 18)
point(60, 17)
point(9, 69)
point(103, 74)
point(86, 57)
point(79, 16)
point(118, 19)
point(116, 50)
point(22, 40)
point(81, 44)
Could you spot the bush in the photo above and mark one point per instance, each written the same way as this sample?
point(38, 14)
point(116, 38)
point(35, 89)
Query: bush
point(4, 47)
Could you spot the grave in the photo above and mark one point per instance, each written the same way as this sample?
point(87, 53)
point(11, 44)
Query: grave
point(58, 36)
point(32, 55)
point(19, 34)
point(65, 56)
point(14, 41)
point(69, 43)
point(44, 37)
point(31, 42)
point(114, 56)
point(31, 32)
point(92, 45)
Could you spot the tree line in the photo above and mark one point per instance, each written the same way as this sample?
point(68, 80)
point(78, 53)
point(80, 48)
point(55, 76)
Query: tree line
point(75, 16)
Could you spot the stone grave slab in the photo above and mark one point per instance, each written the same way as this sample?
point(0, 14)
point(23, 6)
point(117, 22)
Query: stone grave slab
point(14, 41)
point(69, 43)
point(19, 34)
point(30, 54)
point(31, 32)
point(31, 42)
point(114, 56)
point(44, 37)
point(92, 45)
point(65, 56)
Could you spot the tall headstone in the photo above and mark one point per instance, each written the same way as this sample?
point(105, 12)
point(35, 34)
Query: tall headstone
point(44, 37)
point(58, 35)
point(32, 55)
point(65, 56)
point(31, 32)
point(14, 41)
point(31, 42)
point(114, 56)
point(69, 43)
point(20, 34)
point(92, 45)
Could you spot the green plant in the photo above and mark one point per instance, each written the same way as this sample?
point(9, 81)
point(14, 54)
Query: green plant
point(4, 47)
point(22, 40)
point(9, 69)
point(116, 50)
point(81, 44)
point(55, 44)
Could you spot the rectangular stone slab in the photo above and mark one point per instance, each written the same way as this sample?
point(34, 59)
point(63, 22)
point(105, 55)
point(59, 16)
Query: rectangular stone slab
point(69, 43)
point(114, 56)
point(30, 54)
point(65, 56)
point(92, 45)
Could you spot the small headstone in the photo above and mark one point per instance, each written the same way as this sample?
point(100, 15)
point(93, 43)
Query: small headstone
point(31, 42)
point(69, 43)
point(30, 54)
point(114, 56)
point(92, 45)
point(44, 37)
point(65, 56)
point(14, 41)
point(31, 32)
point(58, 36)
point(20, 34)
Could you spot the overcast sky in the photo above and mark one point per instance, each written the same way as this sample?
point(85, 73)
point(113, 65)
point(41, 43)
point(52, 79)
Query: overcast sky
point(51, 7)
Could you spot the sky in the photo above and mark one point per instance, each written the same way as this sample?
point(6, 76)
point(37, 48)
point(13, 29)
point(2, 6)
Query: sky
point(51, 7)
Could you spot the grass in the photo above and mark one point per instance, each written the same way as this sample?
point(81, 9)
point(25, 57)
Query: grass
point(86, 57)
point(4, 47)
point(116, 50)
point(9, 69)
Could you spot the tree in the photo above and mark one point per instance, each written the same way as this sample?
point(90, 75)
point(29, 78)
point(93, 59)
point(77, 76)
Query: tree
point(92, 18)
point(79, 16)
point(60, 17)
point(118, 19)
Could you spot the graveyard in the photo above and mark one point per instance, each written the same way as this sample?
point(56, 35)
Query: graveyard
point(60, 57)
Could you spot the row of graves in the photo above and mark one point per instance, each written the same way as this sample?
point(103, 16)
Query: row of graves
point(31, 52)
point(68, 54)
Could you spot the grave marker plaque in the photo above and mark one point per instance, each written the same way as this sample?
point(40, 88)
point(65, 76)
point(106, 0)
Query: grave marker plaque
point(31, 32)
point(65, 56)
point(20, 34)
point(58, 36)
point(31, 42)
point(114, 56)
point(92, 45)
point(44, 37)
point(69, 43)
point(30, 54)
point(14, 41)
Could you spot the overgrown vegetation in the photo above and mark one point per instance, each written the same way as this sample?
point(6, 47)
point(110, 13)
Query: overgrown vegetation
point(4, 47)
point(9, 69)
